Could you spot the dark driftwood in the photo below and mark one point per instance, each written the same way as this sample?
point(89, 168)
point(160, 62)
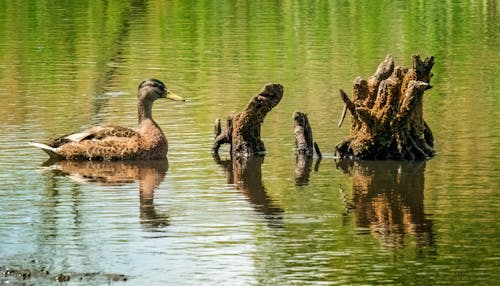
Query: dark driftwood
point(304, 148)
point(242, 130)
point(304, 142)
point(387, 114)
point(303, 134)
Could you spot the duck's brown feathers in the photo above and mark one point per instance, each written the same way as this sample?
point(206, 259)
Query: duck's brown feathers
point(95, 133)
point(147, 142)
point(113, 143)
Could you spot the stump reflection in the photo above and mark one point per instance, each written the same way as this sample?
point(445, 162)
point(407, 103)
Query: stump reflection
point(246, 173)
point(303, 166)
point(388, 200)
point(150, 175)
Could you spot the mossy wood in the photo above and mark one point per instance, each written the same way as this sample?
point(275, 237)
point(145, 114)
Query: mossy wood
point(387, 114)
point(242, 130)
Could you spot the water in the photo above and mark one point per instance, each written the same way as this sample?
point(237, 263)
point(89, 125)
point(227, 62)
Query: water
point(193, 220)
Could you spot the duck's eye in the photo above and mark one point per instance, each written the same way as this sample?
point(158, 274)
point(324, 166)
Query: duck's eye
point(161, 87)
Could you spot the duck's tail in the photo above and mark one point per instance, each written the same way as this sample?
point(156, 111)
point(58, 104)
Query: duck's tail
point(49, 150)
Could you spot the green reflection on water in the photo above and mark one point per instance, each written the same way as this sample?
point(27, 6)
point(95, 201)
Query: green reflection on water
point(68, 65)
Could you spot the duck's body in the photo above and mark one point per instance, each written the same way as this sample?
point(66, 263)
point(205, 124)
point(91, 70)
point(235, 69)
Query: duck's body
point(147, 142)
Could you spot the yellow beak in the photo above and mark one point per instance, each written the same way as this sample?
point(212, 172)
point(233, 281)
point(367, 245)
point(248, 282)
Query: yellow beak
point(173, 96)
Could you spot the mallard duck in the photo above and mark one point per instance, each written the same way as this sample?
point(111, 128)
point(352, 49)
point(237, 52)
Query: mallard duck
point(147, 142)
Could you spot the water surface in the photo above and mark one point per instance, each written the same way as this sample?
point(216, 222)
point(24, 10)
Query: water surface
point(199, 220)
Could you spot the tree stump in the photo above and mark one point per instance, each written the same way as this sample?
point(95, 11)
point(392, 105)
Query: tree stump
point(304, 151)
point(242, 130)
point(303, 134)
point(387, 114)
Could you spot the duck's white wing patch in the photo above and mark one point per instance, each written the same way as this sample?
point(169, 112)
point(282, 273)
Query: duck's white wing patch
point(77, 137)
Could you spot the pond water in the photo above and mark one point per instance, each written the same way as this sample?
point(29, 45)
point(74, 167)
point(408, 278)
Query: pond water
point(194, 220)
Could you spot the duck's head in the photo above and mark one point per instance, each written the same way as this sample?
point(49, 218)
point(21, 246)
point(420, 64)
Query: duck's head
point(152, 89)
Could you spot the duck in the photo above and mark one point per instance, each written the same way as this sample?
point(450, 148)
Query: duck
point(110, 142)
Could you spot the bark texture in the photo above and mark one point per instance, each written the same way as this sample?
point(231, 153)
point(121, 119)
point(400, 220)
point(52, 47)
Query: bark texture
point(303, 134)
point(387, 114)
point(304, 148)
point(242, 130)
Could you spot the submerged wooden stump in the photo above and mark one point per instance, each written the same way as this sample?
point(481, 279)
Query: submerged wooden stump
point(242, 130)
point(387, 114)
point(304, 142)
point(303, 134)
point(304, 148)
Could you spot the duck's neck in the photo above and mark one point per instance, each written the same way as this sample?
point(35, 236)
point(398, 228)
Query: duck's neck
point(145, 108)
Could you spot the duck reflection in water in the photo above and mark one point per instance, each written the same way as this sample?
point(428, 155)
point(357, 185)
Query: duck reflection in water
point(150, 175)
point(388, 200)
point(246, 173)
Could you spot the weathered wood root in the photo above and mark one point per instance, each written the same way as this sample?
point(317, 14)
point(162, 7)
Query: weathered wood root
point(242, 130)
point(387, 114)
point(304, 148)
point(303, 134)
point(304, 144)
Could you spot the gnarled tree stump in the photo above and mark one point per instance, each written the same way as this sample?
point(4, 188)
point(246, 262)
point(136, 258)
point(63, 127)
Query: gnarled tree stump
point(242, 130)
point(387, 114)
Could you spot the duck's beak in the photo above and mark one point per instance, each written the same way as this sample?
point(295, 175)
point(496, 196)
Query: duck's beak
point(173, 96)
